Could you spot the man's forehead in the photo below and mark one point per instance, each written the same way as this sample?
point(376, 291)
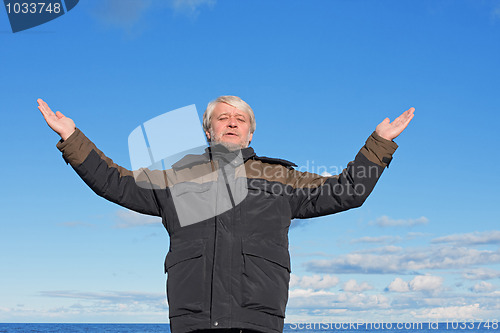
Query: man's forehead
point(226, 109)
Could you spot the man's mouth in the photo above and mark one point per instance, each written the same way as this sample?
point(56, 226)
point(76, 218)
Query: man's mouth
point(231, 134)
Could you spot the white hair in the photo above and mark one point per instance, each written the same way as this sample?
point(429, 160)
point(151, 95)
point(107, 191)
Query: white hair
point(234, 101)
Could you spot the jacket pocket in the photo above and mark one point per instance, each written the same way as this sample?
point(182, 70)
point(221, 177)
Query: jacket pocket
point(265, 278)
point(185, 267)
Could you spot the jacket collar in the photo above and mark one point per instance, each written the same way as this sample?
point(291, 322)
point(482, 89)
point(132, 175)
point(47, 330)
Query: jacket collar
point(215, 152)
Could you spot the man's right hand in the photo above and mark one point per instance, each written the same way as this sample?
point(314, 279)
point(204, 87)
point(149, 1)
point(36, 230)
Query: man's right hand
point(62, 125)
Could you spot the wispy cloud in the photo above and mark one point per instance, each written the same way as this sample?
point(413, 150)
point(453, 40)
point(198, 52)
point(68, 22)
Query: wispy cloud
point(413, 235)
point(408, 261)
point(388, 249)
point(109, 296)
point(379, 239)
point(190, 7)
point(314, 282)
point(130, 15)
point(464, 312)
point(495, 13)
point(389, 239)
point(123, 14)
point(129, 219)
point(482, 273)
point(414, 299)
point(123, 306)
point(353, 286)
point(321, 300)
point(386, 221)
point(473, 238)
point(423, 283)
point(483, 287)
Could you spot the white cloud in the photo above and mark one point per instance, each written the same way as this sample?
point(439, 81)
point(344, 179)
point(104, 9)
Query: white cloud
point(386, 221)
point(473, 238)
point(471, 311)
point(483, 287)
point(353, 286)
point(110, 296)
point(383, 250)
point(399, 286)
point(426, 283)
point(380, 239)
point(356, 263)
point(407, 261)
point(80, 306)
point(391, 307)
point(127, 219)
point(317, 300)
point(413, 235)
point(309, 293)
point(423, 283)
point(481, 274)
point(314, 282)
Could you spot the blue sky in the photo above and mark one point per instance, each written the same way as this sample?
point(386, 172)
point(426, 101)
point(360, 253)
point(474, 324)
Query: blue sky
point(320, 75)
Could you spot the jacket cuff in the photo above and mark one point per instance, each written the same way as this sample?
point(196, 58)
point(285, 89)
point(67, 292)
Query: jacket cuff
point(379, 150)
point(75, 148)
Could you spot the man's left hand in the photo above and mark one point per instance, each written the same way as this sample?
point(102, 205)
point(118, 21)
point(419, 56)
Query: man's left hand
point(389, 130)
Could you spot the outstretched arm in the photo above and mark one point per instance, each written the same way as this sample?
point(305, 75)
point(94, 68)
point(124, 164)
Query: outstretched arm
point(100, 173)
point(314, 195)
point(60, 124)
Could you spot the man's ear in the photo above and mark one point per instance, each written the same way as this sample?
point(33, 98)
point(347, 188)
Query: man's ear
point(250, 138)
point(207, 133)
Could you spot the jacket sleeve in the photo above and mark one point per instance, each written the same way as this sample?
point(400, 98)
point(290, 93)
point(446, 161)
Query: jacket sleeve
point(108, 179)
point(313, 195)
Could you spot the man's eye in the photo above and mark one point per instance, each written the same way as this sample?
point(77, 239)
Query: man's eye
point(222, 118)
point(241, 119)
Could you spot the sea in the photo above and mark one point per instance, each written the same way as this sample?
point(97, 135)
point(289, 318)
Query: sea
point(430, 327)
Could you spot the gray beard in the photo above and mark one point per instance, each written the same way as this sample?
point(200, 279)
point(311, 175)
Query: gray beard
point(230, 146)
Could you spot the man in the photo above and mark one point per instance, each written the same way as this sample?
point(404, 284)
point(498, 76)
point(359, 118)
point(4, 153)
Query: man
point(229, 269)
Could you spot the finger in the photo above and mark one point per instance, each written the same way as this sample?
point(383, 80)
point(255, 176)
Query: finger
point(41, 105)
point(408, 114)
point(44, 107)
point(398, 119)
point(59, 114)
point(406, 122)
point(45, 114)
point(409, 119)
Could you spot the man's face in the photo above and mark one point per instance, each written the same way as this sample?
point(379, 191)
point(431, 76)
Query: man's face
point(230, 127)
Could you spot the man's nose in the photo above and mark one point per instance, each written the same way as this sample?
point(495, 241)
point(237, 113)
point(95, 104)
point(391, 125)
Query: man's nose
point(232, 123)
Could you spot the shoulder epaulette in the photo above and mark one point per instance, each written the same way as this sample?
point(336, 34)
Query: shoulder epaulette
point(270, 160)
